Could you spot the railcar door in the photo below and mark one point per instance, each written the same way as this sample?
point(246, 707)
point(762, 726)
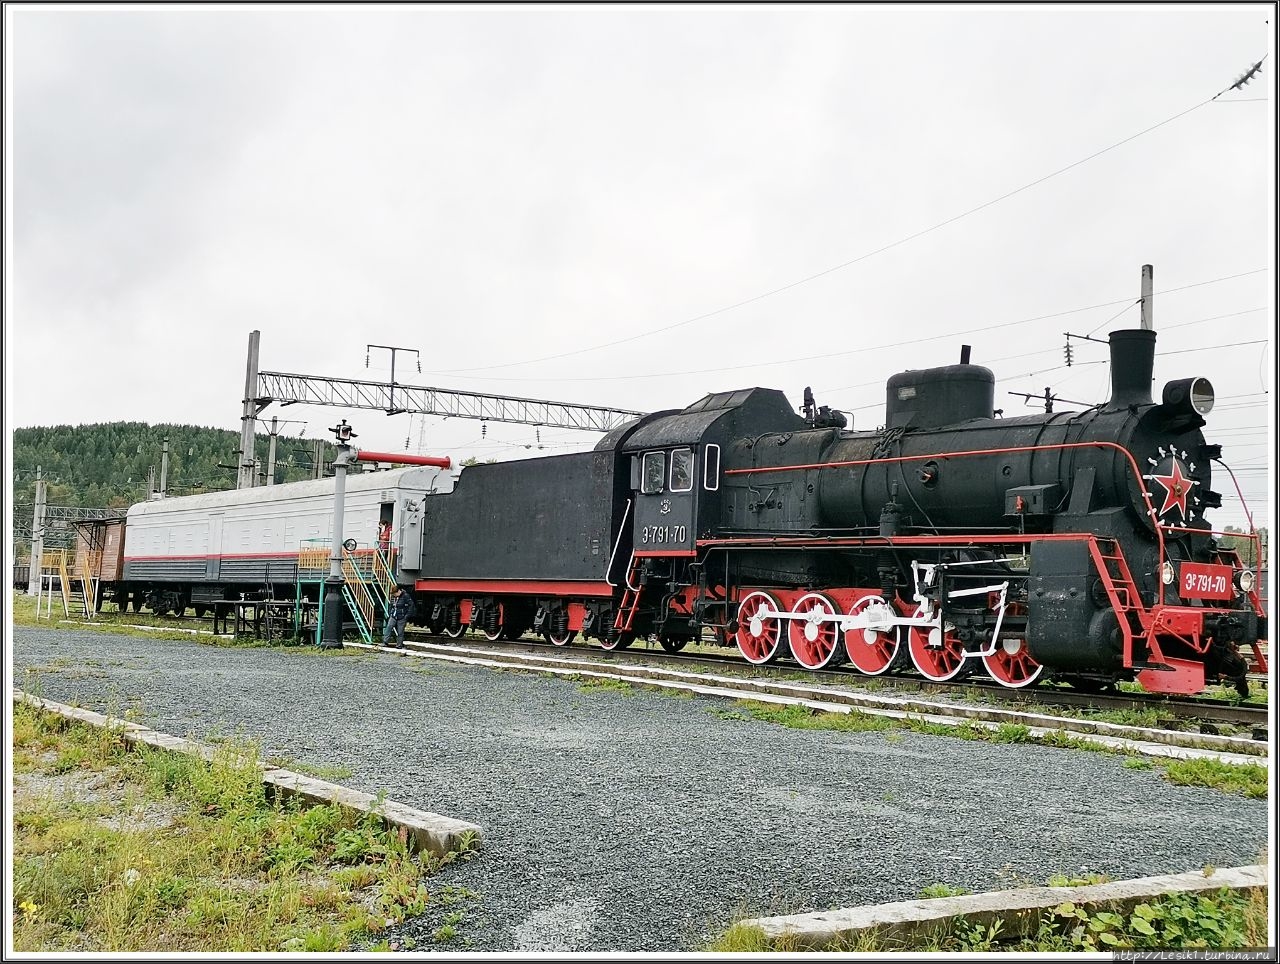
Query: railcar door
point(410, 535)
point(213, 565)
point(666, 498)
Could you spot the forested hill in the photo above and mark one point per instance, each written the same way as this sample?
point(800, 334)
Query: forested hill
point(107, 465)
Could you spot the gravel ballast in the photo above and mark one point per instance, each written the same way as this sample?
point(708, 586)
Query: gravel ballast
point(643, 821)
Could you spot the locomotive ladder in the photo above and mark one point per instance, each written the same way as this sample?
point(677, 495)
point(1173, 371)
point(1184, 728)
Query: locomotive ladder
point(1118, 582)
point(630, 600)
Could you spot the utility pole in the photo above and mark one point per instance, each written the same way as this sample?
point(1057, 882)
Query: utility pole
point(271, 454)
point(331, 632)
point(1148, 298)
point(317, 459)
point(37, 538)
point(164, 469)
point(271, 448)
point(247, 476)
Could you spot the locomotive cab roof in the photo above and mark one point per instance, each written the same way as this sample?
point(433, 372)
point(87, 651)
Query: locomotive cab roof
point(714, 417)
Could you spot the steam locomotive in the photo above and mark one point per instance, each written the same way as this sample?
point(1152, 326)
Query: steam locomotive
point(1070, 545)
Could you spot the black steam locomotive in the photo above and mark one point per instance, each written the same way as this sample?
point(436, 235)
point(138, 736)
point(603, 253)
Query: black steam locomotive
point(1073, 543)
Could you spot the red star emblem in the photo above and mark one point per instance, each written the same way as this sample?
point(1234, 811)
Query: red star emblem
point(1177, 487)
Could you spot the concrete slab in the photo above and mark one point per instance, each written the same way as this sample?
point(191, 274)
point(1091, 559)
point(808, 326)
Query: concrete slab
point(424, 830)
point(910, 922)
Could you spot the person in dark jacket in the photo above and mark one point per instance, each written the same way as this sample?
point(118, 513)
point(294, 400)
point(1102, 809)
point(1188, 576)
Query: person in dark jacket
point(397, 616)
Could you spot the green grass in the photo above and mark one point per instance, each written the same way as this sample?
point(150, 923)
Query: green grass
point(227, 869)
point(1223, 919)
point(802, 718)
point(597, 684)
point(1248, 779)
point(319, 771)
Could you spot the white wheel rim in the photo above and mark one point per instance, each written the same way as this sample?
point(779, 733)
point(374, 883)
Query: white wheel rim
point(881, 613)
point(755, 628)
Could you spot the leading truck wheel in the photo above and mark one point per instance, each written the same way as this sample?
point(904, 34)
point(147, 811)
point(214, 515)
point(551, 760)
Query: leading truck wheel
point(759, 635)
point(1011, 664)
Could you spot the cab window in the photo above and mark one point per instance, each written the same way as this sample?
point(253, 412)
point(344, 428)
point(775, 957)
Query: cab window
point(711, 468)
point(681, 470)
point(654, 470)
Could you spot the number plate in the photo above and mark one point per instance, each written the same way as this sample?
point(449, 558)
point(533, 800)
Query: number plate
point(1198, 580)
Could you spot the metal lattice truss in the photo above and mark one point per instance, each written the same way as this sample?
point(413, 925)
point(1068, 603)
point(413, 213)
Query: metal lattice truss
point(288, 389)
point(59, 522)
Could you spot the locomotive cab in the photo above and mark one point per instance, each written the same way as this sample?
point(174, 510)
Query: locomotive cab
point(676, 466)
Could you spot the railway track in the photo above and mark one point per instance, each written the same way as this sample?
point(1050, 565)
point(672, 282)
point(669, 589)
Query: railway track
point(1203, 710)
point(715, 676)
point(1126, 738)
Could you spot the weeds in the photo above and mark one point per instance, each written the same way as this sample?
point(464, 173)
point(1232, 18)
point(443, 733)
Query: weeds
point(1247, 779)
point(222, 867)
point(596, 684)
point(1223, 919)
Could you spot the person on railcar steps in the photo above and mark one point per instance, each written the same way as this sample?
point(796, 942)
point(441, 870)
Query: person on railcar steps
point(397, 615)
point(384, 536)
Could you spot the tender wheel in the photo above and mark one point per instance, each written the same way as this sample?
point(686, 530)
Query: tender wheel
point(453, 625)
point(673, 644)
point(563, 638)
point(759, 636)
point(814, 638)
point(876, 648)
point(937, 659)
point(493, 631)
point(1011, 664)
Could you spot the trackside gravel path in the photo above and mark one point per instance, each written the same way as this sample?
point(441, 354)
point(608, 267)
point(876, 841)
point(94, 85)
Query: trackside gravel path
point(648, 822)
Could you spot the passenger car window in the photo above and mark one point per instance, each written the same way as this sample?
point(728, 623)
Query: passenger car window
point(681, 470)
point(655, 464)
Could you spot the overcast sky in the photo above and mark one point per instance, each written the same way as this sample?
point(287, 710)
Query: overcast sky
point(495, 186)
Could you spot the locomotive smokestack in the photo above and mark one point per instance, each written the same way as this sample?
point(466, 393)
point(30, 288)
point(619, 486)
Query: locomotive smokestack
point(1132, 360)
point(964, 354)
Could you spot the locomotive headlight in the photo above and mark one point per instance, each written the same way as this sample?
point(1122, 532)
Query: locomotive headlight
point(1166, 573)
point(1189, 395)
point(1245, 580)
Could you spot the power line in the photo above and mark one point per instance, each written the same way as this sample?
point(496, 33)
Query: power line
point(843, 264)
point(1127, 302)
